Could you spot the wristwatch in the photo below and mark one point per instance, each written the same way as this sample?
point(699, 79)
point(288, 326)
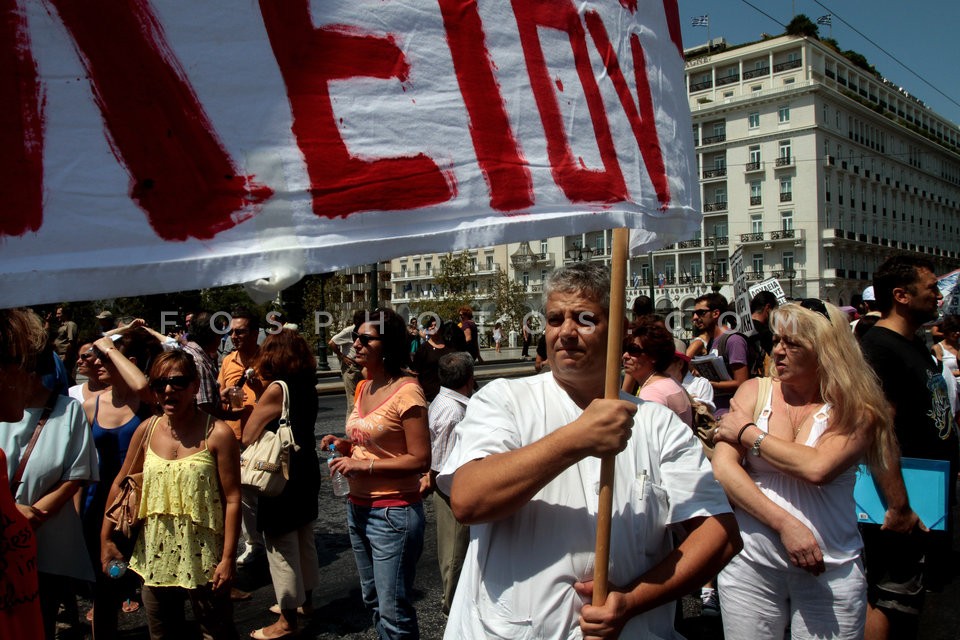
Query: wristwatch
point(755, 449)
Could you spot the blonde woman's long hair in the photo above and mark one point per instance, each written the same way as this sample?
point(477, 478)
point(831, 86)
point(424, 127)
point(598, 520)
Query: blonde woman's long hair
point(847, 382)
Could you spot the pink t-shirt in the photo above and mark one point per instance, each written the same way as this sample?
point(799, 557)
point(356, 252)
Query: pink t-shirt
point(667, 392)
point(379, 435)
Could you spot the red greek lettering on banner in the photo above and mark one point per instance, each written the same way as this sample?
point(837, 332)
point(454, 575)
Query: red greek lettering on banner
point(498, 152)
point(309, 58)
point(578, 183)
point(642, 122)
point(181, 175)
point(21, 127)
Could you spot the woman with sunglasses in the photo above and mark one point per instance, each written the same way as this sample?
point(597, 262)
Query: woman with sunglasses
point(786, 455)
point(187, 546)
point(287, 520)
point(80, 392)
point(647, 354)
point(386, 451)
point(114, 416)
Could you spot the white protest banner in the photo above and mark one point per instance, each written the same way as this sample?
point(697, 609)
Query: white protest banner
point(741, 300)
point(770, 284)
point(174, 144)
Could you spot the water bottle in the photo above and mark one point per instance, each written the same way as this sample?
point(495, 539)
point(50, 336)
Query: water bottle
point(341, 486)
point(116, 569)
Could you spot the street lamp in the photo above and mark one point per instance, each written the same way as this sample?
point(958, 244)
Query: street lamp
point(791, 274)
point(578, 251)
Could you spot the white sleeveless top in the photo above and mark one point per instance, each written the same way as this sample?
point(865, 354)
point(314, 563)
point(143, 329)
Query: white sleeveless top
point(828, 510)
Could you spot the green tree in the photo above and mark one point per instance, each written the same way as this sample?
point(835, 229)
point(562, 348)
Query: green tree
point(509, 297)
point(453, 280)
point(333, 287)
point(801, 25)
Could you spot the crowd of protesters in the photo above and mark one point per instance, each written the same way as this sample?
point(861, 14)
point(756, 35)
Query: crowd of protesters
point(759, 512)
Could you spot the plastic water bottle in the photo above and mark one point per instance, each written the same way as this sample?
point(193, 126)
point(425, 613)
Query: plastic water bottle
point(116, 569)
point(341, 486)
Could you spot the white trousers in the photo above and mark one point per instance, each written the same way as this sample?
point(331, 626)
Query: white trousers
point(294, 568)
point(759, 602)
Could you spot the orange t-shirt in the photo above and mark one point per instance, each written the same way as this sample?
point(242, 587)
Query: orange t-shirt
point(379, 435)
point(19, 590)
point(230, 372)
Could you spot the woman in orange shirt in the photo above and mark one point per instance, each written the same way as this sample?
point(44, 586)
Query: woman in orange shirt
point(386, 451)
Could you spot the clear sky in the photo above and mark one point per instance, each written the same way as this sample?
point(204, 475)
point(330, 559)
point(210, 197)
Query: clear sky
point(924, 35)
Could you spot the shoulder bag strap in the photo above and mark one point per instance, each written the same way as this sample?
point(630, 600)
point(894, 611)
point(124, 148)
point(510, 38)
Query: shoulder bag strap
point(763, 391)
point(15, 482)
point(142, 451)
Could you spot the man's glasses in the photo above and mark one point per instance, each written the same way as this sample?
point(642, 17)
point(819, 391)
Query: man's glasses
point(815, 305)
point(177, 383)
point(88, 355)
point(700, 312)
point(364, 338)
point(634, 350)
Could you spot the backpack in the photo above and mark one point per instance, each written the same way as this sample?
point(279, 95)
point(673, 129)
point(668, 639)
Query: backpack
point(755, 356)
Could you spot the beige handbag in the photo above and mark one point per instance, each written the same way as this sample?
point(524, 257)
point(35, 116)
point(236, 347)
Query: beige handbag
point(264, 465)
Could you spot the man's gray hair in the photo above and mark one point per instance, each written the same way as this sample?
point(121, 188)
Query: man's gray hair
point(589, 279)
point(455, 369)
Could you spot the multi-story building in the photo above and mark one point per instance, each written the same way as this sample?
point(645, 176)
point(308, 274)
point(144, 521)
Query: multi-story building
point(818, 168)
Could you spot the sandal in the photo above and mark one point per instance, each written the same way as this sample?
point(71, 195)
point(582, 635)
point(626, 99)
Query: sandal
point(259, 635)
point(129, 606)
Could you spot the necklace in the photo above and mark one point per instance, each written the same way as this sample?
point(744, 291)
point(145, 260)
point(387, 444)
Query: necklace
point(796, 424)
point(650, 378)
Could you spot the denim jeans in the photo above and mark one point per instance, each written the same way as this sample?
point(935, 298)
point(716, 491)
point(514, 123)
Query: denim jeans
point(387, 542)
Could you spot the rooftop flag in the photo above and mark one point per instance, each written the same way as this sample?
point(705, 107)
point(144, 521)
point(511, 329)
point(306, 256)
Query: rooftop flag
point(163, 145)
point(827, 20)
point(701, 21)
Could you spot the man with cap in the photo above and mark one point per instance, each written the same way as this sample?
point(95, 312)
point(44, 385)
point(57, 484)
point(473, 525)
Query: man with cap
point(105, 320)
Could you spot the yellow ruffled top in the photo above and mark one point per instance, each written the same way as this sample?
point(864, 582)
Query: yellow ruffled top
point(181, 542)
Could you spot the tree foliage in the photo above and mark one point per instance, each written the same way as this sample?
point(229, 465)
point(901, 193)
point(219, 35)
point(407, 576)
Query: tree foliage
point(453, 281)
point(801, 25)
point(510, 299)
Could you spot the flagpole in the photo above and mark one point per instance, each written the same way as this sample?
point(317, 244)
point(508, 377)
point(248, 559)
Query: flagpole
point(618, 280)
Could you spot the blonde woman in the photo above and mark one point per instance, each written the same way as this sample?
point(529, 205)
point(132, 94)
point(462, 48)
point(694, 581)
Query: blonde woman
point(789, 471)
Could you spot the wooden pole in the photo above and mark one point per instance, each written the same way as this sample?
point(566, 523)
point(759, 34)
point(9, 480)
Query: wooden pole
point(618, 283)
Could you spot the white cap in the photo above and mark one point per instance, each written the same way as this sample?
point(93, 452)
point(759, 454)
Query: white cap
point(868, 295)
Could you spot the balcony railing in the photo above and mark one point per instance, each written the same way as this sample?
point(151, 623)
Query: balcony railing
point(784, 161)
point(721, 241)
point(783, 234)
point(784, 66)
point(754, 166)
point(700, 86)
point(720, 137)
point(756, 200)
point(715, 206)
point(730, 79)
point(786, 196)
point(751, 237)
point(755, 73)
point(689, 244)
point(715, 173)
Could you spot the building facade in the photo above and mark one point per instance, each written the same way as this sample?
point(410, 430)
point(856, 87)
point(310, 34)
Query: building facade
point(817, 168)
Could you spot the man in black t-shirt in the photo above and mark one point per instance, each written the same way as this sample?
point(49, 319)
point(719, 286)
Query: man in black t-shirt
point(907, 296)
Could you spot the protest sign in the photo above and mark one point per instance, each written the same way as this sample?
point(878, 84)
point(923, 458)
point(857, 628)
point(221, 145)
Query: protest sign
point(168, 145)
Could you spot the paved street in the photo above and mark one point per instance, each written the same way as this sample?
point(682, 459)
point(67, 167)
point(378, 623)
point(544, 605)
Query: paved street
point(339, 612)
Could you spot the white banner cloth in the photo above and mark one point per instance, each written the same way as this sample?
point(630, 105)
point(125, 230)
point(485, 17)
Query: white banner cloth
point(174, 144)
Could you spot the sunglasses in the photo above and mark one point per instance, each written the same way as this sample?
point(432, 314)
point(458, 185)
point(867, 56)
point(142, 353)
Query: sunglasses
point(700, 312)
point(177, 383)
point(88, 355)
point(634, 350)
point(816, 306)
point(364, 338)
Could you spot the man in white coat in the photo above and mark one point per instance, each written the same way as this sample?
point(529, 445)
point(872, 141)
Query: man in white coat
point(525, 476)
